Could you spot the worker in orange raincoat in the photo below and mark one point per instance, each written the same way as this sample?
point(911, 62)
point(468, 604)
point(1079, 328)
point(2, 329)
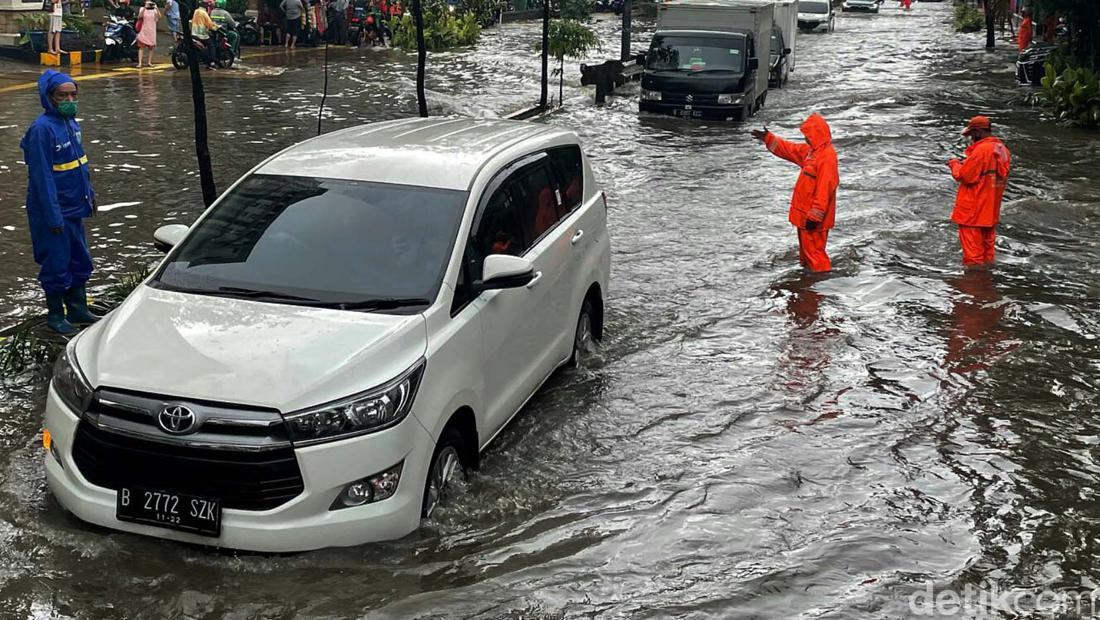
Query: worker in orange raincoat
point(813, 206)
point(981, 177)
point(1027, 31)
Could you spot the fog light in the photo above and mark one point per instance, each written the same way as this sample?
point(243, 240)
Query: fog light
point(371, 489)
point(47, 439)
point(355, 494)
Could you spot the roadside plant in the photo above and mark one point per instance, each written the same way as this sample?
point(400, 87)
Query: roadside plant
point(1072, 93)
point(569, 38)
point(443, 30)
point(968, 18)
point(575, 10)
point(39, 21)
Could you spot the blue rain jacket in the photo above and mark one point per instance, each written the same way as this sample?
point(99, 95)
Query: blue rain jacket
point(59, 186)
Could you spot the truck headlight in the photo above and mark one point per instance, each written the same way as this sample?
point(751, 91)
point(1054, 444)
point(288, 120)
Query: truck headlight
point(69, 383)
point(374, 410)
point(651, 95)
point(729, 99)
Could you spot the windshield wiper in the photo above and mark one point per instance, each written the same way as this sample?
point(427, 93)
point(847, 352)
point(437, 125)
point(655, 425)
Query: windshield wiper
point(249, 293)
point(379, 303)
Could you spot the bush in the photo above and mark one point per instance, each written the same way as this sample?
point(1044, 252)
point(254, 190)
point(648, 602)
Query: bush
point(968, 18)
point(442, 30)
point(1072, 93)
point(485, 11)
point(575, 10)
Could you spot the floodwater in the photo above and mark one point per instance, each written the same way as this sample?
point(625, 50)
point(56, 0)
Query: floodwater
point(751, 442)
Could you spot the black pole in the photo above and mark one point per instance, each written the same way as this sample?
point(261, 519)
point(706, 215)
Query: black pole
point(545, 52)
point(324, 92)
point(989, 38)
point(627, 10)
point(561, 81)
point(198, 98)
point(421, 58)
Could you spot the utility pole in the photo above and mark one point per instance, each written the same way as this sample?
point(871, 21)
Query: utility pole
point(545, 53)
point(627, 10)
point(421, 58)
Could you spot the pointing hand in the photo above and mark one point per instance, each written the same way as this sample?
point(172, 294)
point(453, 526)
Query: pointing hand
point(759, 135)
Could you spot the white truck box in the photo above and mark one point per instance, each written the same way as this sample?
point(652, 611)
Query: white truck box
point(724, 16)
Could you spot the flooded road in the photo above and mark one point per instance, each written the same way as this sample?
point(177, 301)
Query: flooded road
point(751, 442)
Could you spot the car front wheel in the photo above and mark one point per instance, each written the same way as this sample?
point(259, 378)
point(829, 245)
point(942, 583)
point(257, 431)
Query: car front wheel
point(445, 468)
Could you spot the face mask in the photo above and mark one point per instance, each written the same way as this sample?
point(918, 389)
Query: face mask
point(67, 108)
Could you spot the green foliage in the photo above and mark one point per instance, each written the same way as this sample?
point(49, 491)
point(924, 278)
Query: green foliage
point(485, 11)
point(27, 351)
point(443, 30)
point(968, 18)
point(1083, 19)
point(39, 21)
point(571, 38)
point(575, 10)
point(1073, 93)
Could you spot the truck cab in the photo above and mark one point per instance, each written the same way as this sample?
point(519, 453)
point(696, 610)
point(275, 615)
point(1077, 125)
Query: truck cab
point(701, 74)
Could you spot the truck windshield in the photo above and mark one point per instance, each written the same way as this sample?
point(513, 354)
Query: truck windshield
point(819, 8)
point(319, 242)
point(696, 54)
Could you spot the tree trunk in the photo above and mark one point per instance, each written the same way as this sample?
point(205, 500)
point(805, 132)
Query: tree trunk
point(561, 81)
point(198, 98)
point(545, 53)
point(624, 52)
point(421, 58)
point(990, 39)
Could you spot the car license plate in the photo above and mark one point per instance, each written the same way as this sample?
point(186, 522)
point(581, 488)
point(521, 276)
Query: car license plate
point(176, 511)
point(687, 112)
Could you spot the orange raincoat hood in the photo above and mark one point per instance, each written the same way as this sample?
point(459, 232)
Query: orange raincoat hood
point(816, 131)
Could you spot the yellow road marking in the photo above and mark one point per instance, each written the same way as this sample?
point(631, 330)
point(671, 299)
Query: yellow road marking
point(124, 71)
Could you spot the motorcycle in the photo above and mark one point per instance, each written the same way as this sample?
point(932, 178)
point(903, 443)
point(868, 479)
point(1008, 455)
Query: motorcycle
point(223, 55)
point(1031, 64)
point(119, 39)
point(248, 29)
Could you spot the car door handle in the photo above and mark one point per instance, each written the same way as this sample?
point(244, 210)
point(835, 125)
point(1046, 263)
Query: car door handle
point(535, 280)
point(576, 237)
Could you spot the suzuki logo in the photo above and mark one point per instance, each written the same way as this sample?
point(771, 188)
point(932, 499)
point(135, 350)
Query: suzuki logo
point(176, 419)
point(690, 98)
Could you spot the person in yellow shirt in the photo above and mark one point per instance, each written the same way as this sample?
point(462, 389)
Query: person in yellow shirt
point(201, 27)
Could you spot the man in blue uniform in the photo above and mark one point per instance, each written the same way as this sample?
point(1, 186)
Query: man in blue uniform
point(59, 197)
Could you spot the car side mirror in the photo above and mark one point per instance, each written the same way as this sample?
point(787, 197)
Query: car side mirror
point(501, 271)
point(754, 64)
point(166, 237)
point(786, 51)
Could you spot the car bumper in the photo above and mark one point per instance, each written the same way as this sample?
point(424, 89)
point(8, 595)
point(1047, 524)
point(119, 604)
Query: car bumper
point(709, 111)
point(810, 25)
point(301, 524)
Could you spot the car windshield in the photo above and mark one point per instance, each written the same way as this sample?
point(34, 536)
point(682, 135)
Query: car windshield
point(813, 7)
point(775, 44)
point(695, 54)
point(320, 242)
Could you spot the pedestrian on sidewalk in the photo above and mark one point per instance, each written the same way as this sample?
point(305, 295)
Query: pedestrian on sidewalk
point(147, 35)
point(340, 21)
point(1027, 30)
point(172, 15)
point(293, 9)
point(813, 206)
point(982, 177)
point(59, 197)
point(53, 41)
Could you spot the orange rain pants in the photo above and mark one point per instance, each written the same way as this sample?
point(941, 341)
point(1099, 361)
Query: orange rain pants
point(811, 249)
point(977, 244)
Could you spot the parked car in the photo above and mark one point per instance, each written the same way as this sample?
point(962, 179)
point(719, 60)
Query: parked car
point(780, 63)
point(335, 339)
point(866, 6)
point(814, 14)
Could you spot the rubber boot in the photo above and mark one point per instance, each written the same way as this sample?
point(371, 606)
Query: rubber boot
point(76, 306)
point(55, 317)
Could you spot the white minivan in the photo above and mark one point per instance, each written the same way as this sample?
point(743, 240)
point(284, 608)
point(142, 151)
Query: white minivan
point(335, 338)
point(814, 14)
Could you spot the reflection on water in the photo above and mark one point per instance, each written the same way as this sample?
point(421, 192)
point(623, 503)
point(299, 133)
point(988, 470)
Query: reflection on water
point(753, 442)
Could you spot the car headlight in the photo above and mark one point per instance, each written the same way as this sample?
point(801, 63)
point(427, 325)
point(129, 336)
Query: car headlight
point(729, 99)
point(651, 95)
point(69, 383)
point(370, 411)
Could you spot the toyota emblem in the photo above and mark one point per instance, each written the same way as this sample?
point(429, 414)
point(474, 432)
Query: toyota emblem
point(176, 419)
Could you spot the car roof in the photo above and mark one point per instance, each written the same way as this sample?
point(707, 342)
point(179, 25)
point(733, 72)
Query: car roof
point(734, 33)
point(439, 152)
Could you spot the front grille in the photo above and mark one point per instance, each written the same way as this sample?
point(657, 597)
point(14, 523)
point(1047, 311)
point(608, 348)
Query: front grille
point(681, 98)
point(245, 480)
